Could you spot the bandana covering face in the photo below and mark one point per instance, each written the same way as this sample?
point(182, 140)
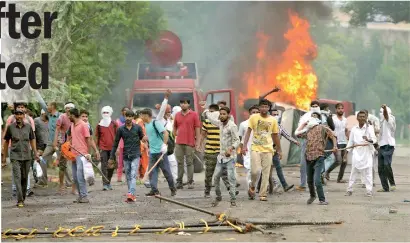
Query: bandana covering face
point(315, 109)
point(106, 121)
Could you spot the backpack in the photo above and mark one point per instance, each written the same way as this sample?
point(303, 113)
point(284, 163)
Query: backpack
point(327, 142)
point(171, 139)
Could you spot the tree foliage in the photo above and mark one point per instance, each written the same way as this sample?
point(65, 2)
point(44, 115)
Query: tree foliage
point(363, 12)
point(87, 47)
point(368, 72)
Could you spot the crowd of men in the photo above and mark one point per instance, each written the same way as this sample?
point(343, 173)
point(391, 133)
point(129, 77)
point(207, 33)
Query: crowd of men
point(139, 145)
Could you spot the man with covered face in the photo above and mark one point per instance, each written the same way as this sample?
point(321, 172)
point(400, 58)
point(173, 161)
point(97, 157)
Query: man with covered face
point(387, 142)
point(314, 107)
point(105, 135)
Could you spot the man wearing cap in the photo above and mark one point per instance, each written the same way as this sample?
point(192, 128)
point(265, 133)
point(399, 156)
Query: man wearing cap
point(22, 141)
point(27, 119)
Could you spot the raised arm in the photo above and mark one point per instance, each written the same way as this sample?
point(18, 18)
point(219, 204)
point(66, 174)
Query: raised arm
point(213, 117)
point(164, 105)
point(286, 135)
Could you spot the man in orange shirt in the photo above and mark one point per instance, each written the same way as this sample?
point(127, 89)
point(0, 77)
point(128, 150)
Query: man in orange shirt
point(144, 149)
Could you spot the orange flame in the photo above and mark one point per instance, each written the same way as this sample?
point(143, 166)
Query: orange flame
point(292, 72)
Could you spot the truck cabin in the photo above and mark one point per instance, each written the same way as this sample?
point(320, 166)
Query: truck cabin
point(153, 80)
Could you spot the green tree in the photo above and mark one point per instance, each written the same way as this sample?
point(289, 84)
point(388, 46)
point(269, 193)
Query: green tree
point(87, 47)
point(363, 12)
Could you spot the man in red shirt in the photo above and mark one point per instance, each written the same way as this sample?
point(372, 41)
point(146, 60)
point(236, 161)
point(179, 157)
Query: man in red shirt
point(105, 135)
point(187, 134)
point(79, 135)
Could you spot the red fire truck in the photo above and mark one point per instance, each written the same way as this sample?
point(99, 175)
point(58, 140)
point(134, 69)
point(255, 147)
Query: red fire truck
point(165, 71)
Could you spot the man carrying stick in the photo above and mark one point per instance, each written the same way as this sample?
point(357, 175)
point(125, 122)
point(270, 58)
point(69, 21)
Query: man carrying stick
point(132, 135)
point(362, 156)
point(158, 139)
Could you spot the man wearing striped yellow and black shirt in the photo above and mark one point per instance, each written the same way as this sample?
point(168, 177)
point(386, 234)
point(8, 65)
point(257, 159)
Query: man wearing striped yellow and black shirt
point(210, 134)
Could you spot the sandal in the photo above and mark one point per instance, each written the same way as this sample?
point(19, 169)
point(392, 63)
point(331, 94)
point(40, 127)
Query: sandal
point(263, 199)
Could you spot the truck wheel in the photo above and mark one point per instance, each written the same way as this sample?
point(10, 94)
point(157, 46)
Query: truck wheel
point(198, 166)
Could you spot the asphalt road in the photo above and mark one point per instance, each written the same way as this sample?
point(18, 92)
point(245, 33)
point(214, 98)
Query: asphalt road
point(365, 219)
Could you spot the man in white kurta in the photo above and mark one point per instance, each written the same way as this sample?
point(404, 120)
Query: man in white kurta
point(363, 137)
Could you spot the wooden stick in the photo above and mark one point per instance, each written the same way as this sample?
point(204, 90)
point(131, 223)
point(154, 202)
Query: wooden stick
point(357, 145)
point(150, 170)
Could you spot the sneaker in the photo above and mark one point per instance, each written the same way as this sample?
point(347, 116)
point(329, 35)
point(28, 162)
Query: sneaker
point(342, 181)
point(147, 185)
point(151, 194)
point(207, 195)
point(30, 193)
point(288, 188)
point(131, 198)
point(233, 204)
point(180, 186)
point(20, 204)
point(76, 200)
point(369, 194)
point(173, 192)
point(110, 187)
point(105, 188)
point(349, 193)
point(323, 203)
point(311, 200)
point(382, 190)
point(190, 186)
point(392, 188)
point(84, 200)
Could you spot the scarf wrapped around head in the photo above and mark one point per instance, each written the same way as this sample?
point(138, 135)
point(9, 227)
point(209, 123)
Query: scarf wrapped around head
point(106, 118)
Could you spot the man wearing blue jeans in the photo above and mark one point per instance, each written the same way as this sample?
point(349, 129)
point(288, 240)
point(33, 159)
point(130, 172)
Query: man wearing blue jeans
point(81, 140)
point(132, 135)
point(158, 139)
point(315, 147)
point(387, 142)
point(314, 107)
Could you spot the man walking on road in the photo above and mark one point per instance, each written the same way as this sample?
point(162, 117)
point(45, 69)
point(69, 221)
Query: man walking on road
point(120, 152)
point(229, 142)
point(387, 142)
point(23, 143)
point(211, 134)
point(105, 135)
point(265, 133)
point(157, 140)
point(342, 134)
point(362, 156)
point(132, 135)
point(187, 133)
point(315, 157)
point(314, 107)
point(81, 140)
